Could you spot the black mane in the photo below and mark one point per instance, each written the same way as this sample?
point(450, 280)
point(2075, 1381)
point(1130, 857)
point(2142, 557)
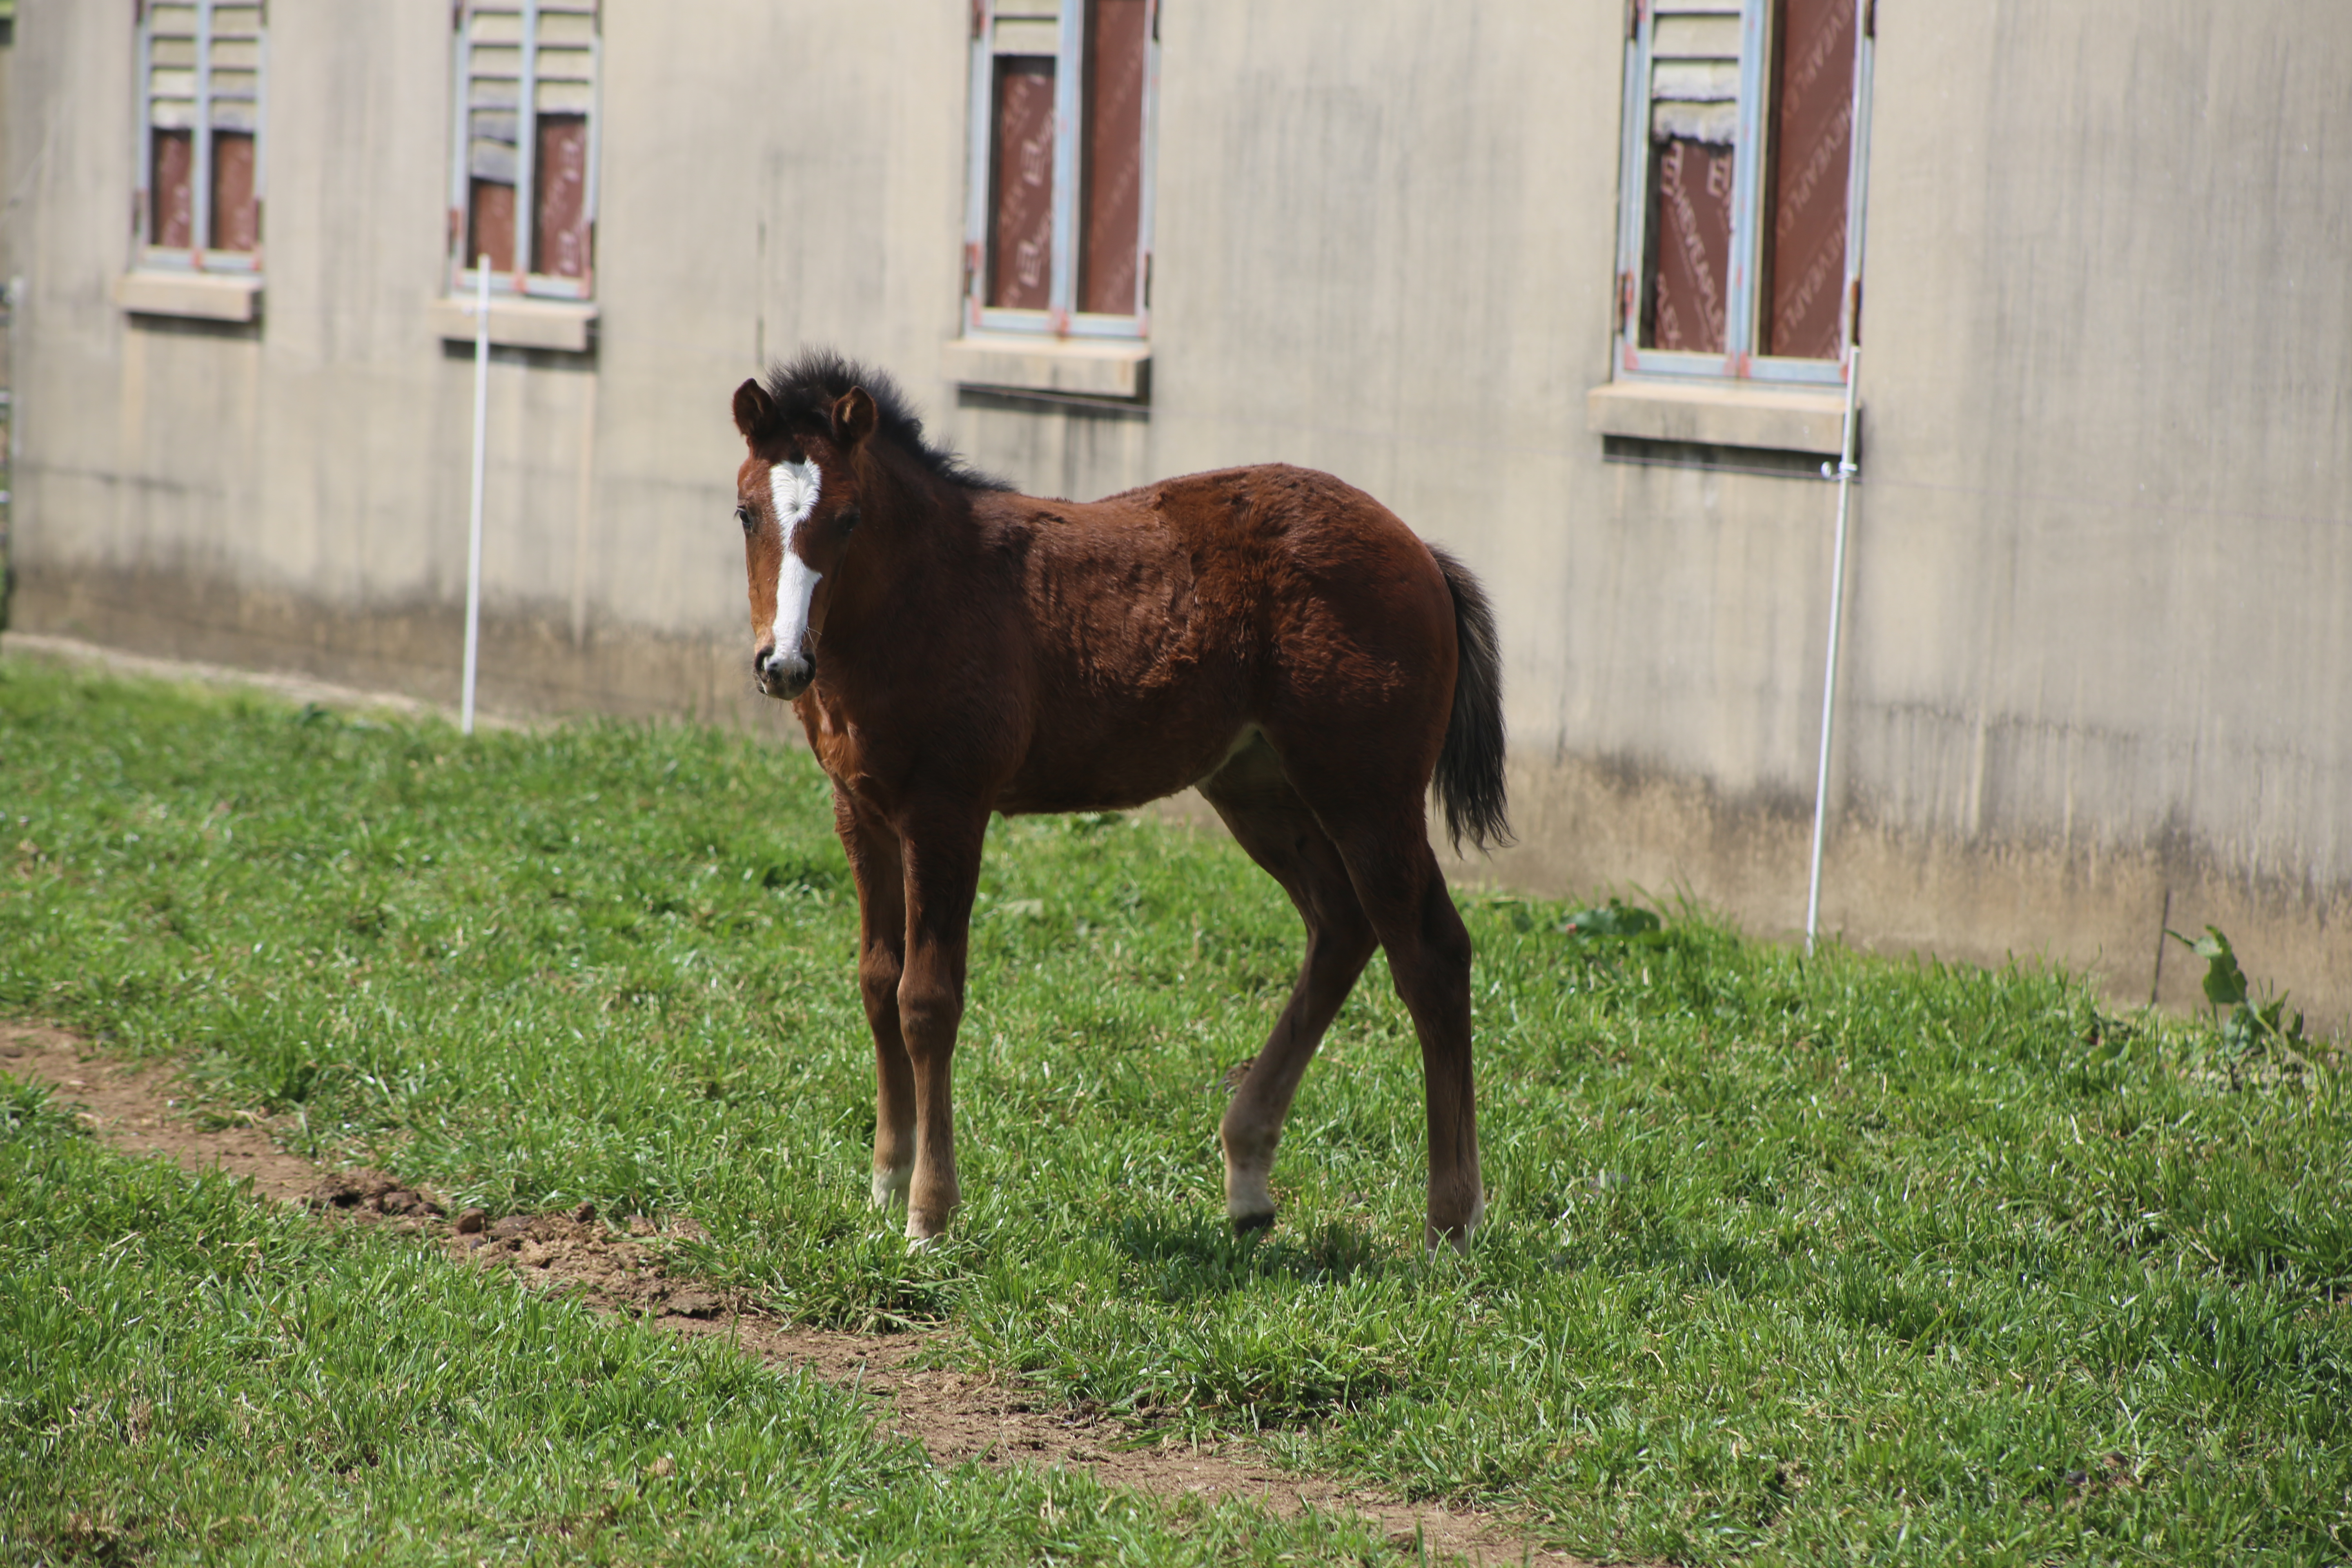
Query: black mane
point(803, 390)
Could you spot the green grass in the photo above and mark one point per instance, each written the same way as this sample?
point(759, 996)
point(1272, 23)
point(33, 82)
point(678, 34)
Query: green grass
point(194, 1378)
point(1784, 1260)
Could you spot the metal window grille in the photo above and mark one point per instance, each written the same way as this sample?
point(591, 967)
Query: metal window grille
point(1058, 224)
point(202, 68)
point(523, 172)
point(1739, 228)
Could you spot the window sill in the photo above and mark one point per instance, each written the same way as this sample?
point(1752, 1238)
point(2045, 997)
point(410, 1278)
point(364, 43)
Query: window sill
point(567, 326)
point(1744, 414)
point(211, 296)
point(1078, 367)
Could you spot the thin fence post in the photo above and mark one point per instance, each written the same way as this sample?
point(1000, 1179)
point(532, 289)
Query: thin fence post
point(474, 535)
point(1845, 472)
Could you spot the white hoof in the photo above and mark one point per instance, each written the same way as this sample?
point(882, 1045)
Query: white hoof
point(891, 1186)
point(1249, 1202)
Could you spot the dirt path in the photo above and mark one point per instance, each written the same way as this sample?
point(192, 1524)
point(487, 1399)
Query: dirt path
point(954, 1417)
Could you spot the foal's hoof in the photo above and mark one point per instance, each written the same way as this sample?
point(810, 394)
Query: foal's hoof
point(1250, 1224)
point(1457, 1236)
point(1438, 1241)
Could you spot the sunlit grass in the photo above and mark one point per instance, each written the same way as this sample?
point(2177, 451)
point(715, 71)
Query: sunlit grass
point(193, 1378)
point(1784, 1258)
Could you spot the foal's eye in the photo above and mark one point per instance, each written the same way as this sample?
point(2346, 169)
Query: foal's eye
point(743, 516)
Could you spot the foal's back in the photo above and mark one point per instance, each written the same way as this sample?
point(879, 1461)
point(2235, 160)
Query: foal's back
point(1168, 626)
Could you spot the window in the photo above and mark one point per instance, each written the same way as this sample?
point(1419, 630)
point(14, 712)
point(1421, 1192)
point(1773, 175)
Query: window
point(200, 73)
point(523, 181)
point(1739, 249)
point(1058, 227)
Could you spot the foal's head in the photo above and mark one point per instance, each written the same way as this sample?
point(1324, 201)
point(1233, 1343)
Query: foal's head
point(827, 439)
point(797, 497)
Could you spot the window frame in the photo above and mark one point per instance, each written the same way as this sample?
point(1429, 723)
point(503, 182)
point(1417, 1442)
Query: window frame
point(520, 282)
point(1059, 319)
point(1737, 362)
point(201, 258)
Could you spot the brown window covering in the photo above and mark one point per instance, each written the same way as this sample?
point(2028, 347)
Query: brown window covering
point(1111, 224)
point(490, 229)
point(171, 224)
point(1690, 226)
point(560, 191)
point(1812, 150)
point(1020, 185)
point(236, 217)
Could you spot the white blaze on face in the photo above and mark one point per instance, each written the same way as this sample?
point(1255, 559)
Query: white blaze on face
point(793, 491)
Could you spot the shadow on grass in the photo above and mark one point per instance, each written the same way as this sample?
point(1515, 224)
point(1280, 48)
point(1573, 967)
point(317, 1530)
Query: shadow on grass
point(1187, 1259)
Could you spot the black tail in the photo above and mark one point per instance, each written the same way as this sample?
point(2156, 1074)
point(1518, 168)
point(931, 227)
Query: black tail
point(1470, 764)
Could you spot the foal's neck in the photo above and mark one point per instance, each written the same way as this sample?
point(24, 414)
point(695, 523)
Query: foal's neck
point(922, 514)
point(915, 528)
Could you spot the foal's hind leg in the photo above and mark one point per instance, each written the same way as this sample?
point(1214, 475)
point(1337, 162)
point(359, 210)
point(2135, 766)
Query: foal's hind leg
point(1403, 892)
point(1269, 821)
point(1370, 801)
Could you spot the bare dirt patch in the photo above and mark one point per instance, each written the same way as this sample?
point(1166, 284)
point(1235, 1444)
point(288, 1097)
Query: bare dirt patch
point(146, 1109)
point(622, 1269)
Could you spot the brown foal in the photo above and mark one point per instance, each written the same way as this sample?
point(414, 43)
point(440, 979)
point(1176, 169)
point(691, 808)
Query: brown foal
point(1270, 634)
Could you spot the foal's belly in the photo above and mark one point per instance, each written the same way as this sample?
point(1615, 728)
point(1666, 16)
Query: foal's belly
point(1115, 767)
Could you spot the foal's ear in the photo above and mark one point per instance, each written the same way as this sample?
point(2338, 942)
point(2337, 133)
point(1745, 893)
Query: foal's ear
point(853, 418)
point(753, 409)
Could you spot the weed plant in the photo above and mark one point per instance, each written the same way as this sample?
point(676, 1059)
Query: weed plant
point(1784, 1259)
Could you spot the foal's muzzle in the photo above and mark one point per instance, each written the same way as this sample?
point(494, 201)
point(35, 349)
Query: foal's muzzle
point(784, 676)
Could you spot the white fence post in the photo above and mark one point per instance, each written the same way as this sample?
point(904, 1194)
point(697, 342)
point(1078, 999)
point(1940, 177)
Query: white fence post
point(1845, 472)
point(474, 537)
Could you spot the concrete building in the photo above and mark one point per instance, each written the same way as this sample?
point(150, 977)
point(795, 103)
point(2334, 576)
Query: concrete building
point(1540, 274)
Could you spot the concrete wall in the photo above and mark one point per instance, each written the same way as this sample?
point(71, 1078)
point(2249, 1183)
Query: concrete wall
point(2100, 586)
point(2103, 663)
point(293, 492)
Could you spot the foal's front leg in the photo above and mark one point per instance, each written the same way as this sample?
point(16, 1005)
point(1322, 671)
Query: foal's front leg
point(942, 854)
point(875, 861)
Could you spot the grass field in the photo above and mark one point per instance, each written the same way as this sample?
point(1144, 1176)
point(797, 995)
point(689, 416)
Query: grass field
point(1785, 1261)
point(192, 1377)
